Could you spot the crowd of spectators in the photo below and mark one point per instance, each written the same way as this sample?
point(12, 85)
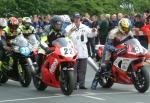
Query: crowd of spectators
point(104, 23)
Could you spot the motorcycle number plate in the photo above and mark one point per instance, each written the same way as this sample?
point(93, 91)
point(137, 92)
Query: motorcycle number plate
point(67, 52)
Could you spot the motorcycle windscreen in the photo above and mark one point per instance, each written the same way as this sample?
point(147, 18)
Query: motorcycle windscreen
point(62, 42)
point(20, 41)
point(135, 46)
point(65, 45)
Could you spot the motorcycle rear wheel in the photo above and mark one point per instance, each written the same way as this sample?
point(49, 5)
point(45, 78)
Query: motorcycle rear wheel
point(106, 82)
point(67, 82)
point(142, 81)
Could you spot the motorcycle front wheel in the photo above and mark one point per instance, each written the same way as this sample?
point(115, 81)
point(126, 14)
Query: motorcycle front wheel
point(141, 81)
point(67, 81)
point(25, 74)
point(38, 84)
point(3, 78)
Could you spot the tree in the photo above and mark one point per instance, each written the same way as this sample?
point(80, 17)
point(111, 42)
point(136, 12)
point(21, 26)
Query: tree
point(31, 7)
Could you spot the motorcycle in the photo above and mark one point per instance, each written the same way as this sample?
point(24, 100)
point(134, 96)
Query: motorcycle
point(127, 67)
point(57, 70)
point(19, 69)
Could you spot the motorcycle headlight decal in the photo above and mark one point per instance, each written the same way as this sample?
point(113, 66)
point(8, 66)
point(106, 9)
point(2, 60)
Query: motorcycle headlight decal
point(25, 51)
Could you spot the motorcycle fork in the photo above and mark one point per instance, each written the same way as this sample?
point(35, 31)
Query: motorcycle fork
point(1, 66)
point(19, 67)
point(134, 75)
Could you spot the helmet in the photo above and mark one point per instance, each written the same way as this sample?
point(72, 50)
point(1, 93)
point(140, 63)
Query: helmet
point(124, 25)
point(26, 21)
point(3, 23)
point(65, 18)
point(13, 23)
point(56, 22)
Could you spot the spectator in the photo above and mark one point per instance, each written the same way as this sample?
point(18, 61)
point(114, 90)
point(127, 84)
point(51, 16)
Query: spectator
point(114, 21)
point(46, 21)
point(91, 39)
point(79, 33)
point(86, 20)
point(120, 16)
point(35, 23)
point(147, 16)
point(49, 18)
point(104, 29)
point(95, 25)
point(137, 28)
point(40, 21)
point(109, 21)
point(138, 21)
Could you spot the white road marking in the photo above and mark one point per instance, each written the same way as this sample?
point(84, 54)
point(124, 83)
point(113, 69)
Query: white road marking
point(139, 102)
point(86, 94)
point(26, 99)
point(95, 98)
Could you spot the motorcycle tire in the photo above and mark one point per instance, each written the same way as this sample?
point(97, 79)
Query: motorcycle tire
point(67, 82)
point(38, 84)
point(106, 82)
point(142, 80)
point(3, 78)
point(25, 82)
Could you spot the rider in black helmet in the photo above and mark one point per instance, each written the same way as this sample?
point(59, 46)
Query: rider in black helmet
point(51, 33)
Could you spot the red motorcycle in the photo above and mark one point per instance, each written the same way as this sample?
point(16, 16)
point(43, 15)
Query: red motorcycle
point(57, 70)
point(127, 67)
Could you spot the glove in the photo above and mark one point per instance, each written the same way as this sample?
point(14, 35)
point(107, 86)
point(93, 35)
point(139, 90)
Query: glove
point(121, 51)
point(48, 51)
point(9, 49)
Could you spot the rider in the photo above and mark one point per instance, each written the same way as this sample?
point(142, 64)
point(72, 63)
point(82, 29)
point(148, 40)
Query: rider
point(27, 30)
point(3, 24)
point(9, 32)
point(51, 33)
point(116, 36)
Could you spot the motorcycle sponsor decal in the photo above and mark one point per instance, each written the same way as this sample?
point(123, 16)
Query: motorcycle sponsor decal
point(116, 62)
point(67, 52)
point(53, 66)
point(125, 62)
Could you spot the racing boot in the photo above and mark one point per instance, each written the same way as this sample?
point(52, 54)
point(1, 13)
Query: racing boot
point(96, 79)
point(100, 72)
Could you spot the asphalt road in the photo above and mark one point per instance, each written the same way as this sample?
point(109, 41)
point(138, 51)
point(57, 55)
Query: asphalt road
point(12, 92)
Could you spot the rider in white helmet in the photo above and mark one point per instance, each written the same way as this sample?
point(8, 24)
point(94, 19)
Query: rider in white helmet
point(28, 31)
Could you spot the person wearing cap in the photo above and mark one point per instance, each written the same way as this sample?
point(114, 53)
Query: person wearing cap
point(79, 33)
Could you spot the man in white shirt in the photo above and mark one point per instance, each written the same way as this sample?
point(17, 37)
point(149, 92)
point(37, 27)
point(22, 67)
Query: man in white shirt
point(79, 32)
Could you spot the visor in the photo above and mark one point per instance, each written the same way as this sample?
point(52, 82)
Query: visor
point(125, 29)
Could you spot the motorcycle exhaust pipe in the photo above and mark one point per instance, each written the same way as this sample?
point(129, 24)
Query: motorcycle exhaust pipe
point(31, 65)
point(92, 64)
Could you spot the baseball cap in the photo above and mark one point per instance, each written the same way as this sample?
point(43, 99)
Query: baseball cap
point(76, 14)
